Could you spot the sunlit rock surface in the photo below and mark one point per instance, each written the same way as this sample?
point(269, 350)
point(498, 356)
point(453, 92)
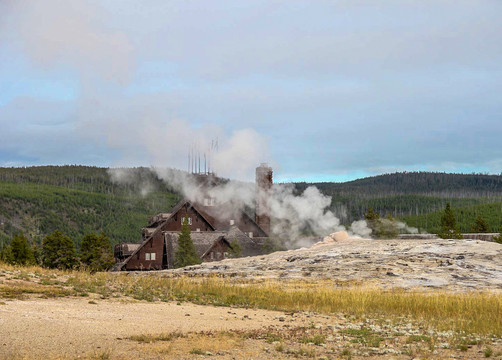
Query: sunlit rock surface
point(431, 263)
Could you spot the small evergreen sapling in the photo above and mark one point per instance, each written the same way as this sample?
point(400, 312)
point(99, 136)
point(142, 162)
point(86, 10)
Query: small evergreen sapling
point(498, 239)
point(186, 254)
point(480, 226)
point(235, 250)
point(449, 225)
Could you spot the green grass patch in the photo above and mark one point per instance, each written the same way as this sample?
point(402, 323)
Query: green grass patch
point(21, 291)
point(197, 351)
point(271, 337)
point(150, 338)
point(418, 338)
point(363, 336)
point(318, 339)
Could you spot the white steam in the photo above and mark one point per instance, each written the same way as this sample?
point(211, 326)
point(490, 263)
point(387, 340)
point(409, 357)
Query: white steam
point(360, 228)
point(292, 214)
point(403, 228)
point(295, 217)
point(295, 213)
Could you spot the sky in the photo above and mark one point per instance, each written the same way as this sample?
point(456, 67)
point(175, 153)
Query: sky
point(321, 90)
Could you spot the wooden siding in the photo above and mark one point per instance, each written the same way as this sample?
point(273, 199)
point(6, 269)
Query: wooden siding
point(217, 252)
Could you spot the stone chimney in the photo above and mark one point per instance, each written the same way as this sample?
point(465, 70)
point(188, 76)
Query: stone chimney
point(263, 188)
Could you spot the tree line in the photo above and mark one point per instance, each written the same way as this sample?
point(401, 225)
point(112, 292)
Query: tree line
point(57, 251)
point(388, 226)
point(449, 229)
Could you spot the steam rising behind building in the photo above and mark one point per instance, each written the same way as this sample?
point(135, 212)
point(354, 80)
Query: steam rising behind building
point(215, 224)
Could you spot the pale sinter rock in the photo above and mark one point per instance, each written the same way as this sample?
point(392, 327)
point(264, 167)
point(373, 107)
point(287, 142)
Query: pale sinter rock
point(338, 236)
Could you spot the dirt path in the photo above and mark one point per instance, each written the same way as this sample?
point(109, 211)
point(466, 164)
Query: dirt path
point(73, 326)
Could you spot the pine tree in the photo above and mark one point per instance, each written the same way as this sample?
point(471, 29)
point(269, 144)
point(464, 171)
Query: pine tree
point(58, 251)
point(19, 251)
point(235, 250)
point(480, 226)
point(371, 215)
point(449, 225)
point(386, 228)
point(96, 252)
point(186, 254)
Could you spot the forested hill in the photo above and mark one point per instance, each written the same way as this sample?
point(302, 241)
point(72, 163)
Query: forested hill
point(78, 200)
point(415, 194)
point(423, 183)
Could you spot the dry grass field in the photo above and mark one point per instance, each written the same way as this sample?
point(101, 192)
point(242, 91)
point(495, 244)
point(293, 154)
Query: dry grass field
point(68, 315)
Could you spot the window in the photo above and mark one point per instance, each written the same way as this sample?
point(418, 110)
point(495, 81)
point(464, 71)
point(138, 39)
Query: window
point(251, 234)
point(189, 220)
point(150, 256)
point(232, 222)
point(147, 256)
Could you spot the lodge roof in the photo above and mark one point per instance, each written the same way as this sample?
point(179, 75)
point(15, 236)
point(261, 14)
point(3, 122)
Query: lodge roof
point(205, 240)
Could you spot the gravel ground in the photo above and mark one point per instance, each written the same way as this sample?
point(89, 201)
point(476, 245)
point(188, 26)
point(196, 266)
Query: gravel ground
point(42, 328)
point(70, 328)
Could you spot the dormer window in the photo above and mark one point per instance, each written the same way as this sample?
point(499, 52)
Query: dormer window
point(209, 201)
point(189, 221)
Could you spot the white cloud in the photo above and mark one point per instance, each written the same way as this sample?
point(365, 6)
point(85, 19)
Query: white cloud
point(328, 86)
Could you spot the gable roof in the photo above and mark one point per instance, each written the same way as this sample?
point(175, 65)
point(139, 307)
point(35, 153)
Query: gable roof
point(249, 246)
point(203, 241)
point(212, 213)
point(220, 239)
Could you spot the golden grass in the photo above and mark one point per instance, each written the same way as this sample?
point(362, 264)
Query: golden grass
point(20, 291)
point(174, 346)
point(469, 312)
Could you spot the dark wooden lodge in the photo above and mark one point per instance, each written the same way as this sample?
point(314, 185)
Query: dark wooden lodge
point(213, 228)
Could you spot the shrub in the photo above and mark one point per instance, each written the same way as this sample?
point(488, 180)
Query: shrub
point(18, 252)
point(58, 251)
point(96, 252)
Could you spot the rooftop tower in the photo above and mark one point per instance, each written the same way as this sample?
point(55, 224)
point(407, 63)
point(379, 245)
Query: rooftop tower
point(264, 181)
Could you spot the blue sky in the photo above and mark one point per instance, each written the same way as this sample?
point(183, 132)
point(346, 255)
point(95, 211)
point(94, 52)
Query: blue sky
point(322, 90)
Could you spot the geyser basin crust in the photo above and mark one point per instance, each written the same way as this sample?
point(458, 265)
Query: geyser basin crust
point(448, 264)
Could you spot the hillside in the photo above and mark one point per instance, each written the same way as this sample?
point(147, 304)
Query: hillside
point(79, 199)
point(423, 183)
point(408, 194)
point(465, 215)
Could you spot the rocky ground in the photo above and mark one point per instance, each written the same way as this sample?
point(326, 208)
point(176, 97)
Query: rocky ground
point(45, 316)
point(434, 263)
